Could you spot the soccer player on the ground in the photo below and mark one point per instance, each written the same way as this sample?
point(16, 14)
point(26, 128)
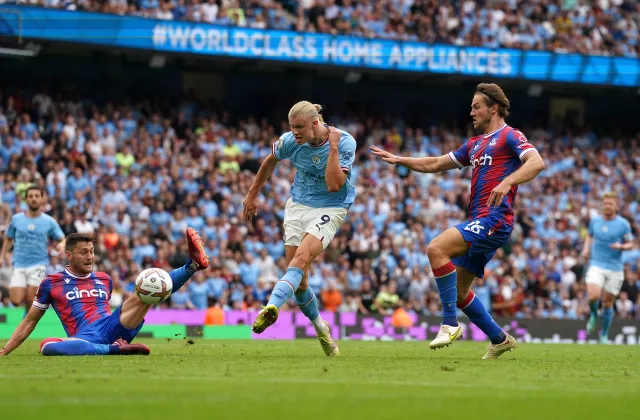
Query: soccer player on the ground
point(609, 235)
point(30, 233)
point(320, 196)
point(501, 159)
point(80, 298)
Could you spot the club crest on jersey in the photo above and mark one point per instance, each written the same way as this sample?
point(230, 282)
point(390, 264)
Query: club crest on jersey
point(493, 141)
point(315, 159)
point(476, 148)
point(605, 229)
point(31, 227)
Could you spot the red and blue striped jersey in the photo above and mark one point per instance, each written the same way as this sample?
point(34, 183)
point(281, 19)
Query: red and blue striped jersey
point(79, 301)
point(493, 157)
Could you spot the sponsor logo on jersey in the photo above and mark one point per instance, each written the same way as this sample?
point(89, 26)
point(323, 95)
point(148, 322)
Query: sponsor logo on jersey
point(522, 140)
point(481, 161)
point(78, 294)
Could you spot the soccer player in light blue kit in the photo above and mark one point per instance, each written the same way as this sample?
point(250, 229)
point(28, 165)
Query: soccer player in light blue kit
point(320, 197)
point(30, 233)
point(609, 235)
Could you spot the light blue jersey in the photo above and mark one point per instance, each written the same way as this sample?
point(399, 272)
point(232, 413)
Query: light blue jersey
point(31, 239)
point(309, 186)
point(604, 233)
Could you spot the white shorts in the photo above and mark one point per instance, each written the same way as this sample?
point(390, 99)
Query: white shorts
point(609, 280)
point(30, 276)
point(322, 223)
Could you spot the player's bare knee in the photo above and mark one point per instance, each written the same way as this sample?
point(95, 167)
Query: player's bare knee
point(302, 259)
point(16, 298)
point(607, 301)
point(433, 251)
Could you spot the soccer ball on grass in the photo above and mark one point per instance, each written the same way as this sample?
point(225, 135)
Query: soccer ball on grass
point(153, 286)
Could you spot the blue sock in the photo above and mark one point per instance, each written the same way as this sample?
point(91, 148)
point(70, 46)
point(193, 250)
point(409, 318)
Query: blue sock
point(607, 319)
point(78, 348)
point(308, 304)
point(286, 287)
point(593, 307)
point(179, 276)
point(447, 287)
point(478, 314)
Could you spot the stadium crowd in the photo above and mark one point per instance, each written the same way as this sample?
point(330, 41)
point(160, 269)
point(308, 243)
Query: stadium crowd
point(604, 27)
point(135, 179)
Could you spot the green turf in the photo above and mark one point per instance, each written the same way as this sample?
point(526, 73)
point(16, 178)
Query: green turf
point(293, 380)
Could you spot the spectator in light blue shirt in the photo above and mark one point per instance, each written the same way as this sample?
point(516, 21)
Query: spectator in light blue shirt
point(217, 284)
point(249, 270)
point(355, 276)
point(194, 219)
point(160, 217)
point(199, 291)
point(180, 299)
point(143, 249)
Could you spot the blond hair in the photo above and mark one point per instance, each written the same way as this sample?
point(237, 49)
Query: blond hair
point(306, 109)
point(610, 194)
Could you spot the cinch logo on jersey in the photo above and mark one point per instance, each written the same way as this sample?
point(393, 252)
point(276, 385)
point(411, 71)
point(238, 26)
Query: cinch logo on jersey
point(481, 161)
point(77, 294)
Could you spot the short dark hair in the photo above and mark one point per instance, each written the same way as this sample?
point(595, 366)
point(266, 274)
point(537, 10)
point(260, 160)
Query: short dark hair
point(495, 95)
point(33, 187)
point(76, 238)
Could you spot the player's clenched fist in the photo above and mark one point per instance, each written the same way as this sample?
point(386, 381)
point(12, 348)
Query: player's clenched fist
point(334, 137)
point(386, 156)
point(250, 207)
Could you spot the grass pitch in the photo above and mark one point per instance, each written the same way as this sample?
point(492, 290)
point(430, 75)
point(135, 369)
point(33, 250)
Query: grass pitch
point(294, 380)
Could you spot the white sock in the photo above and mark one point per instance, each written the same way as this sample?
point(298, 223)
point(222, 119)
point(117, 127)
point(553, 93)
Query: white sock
point(318, 325)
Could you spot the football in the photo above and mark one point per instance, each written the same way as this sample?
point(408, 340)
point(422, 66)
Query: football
point(154, 285)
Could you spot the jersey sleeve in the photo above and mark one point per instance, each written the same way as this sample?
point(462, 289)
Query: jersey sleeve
point(43, 295)
point(55, 231)
point(460, 157)
point(347, 153)
point(282, 148)
point(11, 230)
point(518, 144)
point(591, 227)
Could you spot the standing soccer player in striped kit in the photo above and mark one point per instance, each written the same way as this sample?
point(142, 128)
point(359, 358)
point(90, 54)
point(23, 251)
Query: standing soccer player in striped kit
point(501, 158)
point(320, 197)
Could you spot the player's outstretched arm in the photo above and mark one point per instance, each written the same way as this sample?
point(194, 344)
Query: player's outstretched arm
point(250, 203)
point(23, 330)
point(427, 164)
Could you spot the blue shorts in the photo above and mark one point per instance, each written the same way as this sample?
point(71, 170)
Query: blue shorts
point(484, 239)
point(107, 330)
